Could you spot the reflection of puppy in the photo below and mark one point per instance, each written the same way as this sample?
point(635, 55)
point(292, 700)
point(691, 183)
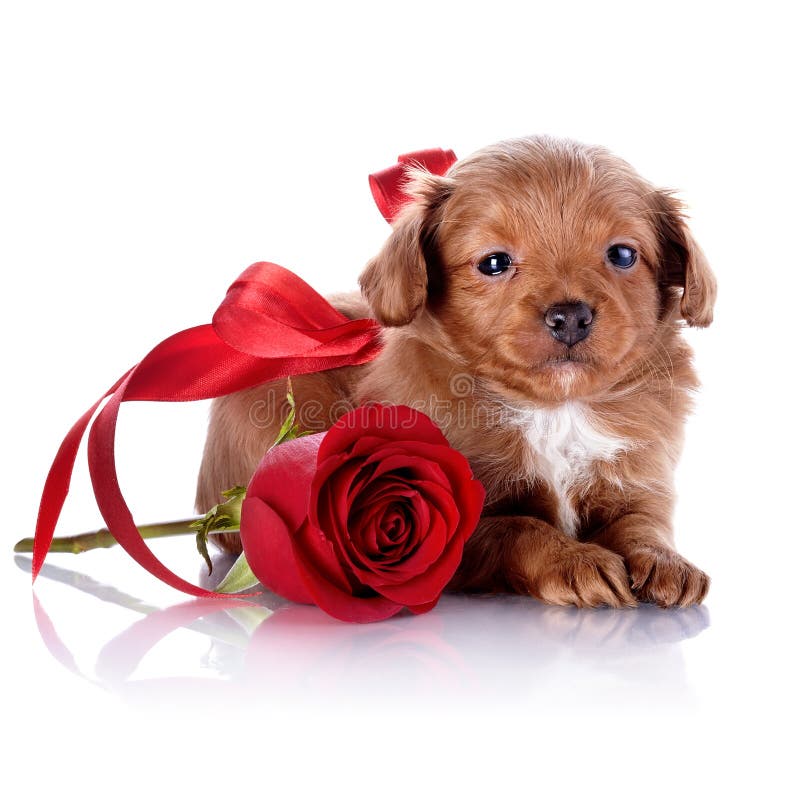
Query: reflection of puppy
point(534, 293)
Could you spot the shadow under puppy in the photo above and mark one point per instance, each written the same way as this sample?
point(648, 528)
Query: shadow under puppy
point(532, 299)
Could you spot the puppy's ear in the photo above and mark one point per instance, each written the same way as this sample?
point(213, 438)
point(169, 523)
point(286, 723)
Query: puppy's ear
point(395, 282)
point(683, 263)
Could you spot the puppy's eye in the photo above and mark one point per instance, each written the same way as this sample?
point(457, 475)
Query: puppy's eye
point(621, 256)
point(495, 264)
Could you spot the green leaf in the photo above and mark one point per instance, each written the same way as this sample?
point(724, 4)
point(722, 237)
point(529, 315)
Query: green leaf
point(239, 577)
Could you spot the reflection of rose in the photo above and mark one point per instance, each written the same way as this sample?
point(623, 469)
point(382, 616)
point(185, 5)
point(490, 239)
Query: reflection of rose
point(364, 520)
point(308, 655)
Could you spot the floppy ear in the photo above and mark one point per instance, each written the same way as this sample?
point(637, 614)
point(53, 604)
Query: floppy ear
point(683, 263)
point(395, 282)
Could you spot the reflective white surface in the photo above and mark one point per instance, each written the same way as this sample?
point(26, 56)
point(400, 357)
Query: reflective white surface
point(148, 153)
point(473, 696)
point(499, 651)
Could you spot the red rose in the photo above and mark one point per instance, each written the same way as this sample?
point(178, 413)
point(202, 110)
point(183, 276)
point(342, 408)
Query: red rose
point(364, 520)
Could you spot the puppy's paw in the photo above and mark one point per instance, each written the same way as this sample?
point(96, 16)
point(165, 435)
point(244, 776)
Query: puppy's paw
point(666, 578)
point(584, 575)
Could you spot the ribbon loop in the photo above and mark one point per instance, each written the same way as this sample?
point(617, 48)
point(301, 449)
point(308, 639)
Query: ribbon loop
point(388, 185)
point(260, 316)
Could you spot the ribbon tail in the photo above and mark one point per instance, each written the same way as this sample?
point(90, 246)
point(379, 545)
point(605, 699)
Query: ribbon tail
point(192, 365)
point(56, 487)
point(112, 505)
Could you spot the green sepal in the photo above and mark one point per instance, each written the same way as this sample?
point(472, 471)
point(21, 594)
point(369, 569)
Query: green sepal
point(239, 577)
point(202, 547)
point(222, 517)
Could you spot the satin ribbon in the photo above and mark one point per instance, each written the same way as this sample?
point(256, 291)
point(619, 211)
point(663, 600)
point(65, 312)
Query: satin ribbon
point(270, 325)
point(388, 186)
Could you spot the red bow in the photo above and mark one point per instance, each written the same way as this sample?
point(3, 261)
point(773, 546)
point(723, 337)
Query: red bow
point(388, 185)
point(270, 325)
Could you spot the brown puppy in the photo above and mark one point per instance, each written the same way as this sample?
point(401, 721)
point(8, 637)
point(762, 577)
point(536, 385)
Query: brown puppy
point(533, 299)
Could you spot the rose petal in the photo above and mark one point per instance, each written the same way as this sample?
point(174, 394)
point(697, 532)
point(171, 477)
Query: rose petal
point(469, 493)
point(387, 487)
point(340, 604)
point(415, 524)
point(406, 462)
point(417, 561)
point(392, 529)
point(470, 499)
point(369, 536)
point(374, 507)
point(364, 565)
point(367, 445)
point(267, 545)
point(361, 480)
point(435, 521)
point(424, 608)
point(442, 465)
point(394, 423)
point(326, 514)
point(426, 542)
point(320, 553)
point(329, 502)
point(390, 533)
point(283, 478)
point(429, 585)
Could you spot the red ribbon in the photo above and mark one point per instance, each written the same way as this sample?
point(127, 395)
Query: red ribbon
point(270, 325)
point(388, 185)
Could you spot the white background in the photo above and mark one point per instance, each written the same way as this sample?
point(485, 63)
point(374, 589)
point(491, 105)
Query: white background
point(149, 152)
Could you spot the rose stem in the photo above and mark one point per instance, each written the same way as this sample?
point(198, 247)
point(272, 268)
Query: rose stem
point(82, 542)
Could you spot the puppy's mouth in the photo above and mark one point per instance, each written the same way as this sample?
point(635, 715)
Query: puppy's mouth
point(565, 359)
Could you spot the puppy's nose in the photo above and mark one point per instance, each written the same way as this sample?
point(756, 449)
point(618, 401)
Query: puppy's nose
point(569, 322)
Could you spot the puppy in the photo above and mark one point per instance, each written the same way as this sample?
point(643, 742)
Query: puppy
point(533, 300)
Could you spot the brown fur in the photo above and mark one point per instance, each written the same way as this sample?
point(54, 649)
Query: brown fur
point(475, 354)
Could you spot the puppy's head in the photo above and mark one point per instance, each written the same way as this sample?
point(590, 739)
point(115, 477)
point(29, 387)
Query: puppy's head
point(547, 268)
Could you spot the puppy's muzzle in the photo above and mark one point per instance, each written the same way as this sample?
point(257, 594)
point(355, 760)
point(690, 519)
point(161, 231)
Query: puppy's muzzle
point(569, 323)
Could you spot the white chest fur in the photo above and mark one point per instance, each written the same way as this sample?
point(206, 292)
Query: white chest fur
point(563, 444)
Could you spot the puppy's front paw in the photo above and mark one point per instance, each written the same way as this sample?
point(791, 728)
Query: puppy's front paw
point(584, 575)
point(662, 576)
